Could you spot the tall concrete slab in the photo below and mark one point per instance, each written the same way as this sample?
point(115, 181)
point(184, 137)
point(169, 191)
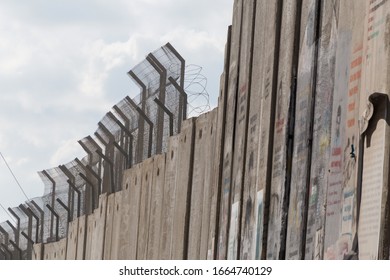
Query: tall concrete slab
point(98, 227)
point(302, 132)
point(341, 196)
point(71, 251)
point(210, 192)
point(250, 212)
point(266, 86)
point(89, 235)
point(218, 159)
point(144, 208)
point(279, 184)
point(200, 188)
point(183, 190)
point(81, 237)
point(156, 207)
point(128, 236)
point(109, 226)
point(168, 206)
point(373, 231)
point(116, 226)
point(321, 147)
point(55, 250)
point(241, 125)
point(230, 117)
point(198, 185)
point(37, 251)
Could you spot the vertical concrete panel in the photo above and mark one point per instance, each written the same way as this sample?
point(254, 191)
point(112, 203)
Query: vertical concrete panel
point(279, 193)
point(340, 230)
point(183, 190)
point(241, 124)
point(37, 249)
point(156, 207)
point(229, 131)
point(55, 250)
point(109, 226)
point(71, 251)
point(200, 185)
point(302, 130)
point(267, 89)
point(99, 225)
point(321, 149)
point(128, 235)
point(250, 228)
point(81, 237)
point(116, 225)
point(90, 221)
point(165, 247)
point(218, 160)
point(144, 208)
point(374, 212)
point(210, 192)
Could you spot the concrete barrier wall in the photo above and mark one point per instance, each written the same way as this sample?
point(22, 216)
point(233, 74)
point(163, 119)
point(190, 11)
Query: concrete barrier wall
point(292, 164)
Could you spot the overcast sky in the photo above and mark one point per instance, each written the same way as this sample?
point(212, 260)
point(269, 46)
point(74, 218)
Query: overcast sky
point(63, 65)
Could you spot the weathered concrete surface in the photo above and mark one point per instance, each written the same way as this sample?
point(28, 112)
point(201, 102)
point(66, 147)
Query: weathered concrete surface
point(144, 208)
point(210, 193)
point(302, 133)
point(373, 228)
point(183, 189)
point(199, 184)
point(218, 160)
point(228, 148)
point(201, 189)
point(321, 147)
point(109, 226)
point(165, 247)
point(81, 238)
point(115, 234)
point(37, 249)
point(71, 251)
point(241, 124)
point(156, 206)
point(251, 227)
point(279, 195)
point(128, 236)
point(98, 228)
point(55, 250)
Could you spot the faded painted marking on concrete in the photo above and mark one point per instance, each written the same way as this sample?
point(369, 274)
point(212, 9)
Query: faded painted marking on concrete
point(81, 238)
point(71, 251)
point(183, 188)
point(229, 130)
point(335, 173)
point(240, 134)
point(302, 134)
point(130, 213)
point(144, 208)
point(321, 151)
point(156, 207)
point(251, 236)
point(277, 220)
point(165, 247)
